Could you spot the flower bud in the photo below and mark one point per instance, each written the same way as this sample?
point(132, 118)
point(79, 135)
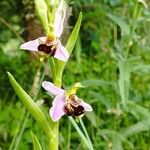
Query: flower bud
point(41, 9)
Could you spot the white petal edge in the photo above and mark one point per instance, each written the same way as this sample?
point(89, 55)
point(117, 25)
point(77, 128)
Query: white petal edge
point(61, 53)
point(33, 45)
point(59, 18)
point(57, 109)
point(86, 106)
point(52, 89)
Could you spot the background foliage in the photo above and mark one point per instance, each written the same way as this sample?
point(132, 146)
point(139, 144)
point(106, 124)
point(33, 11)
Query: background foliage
point(111, 58)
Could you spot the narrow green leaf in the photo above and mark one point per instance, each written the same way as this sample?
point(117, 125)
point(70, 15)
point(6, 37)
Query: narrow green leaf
point(36, 144)
point(78, 50)
point(100, 99)
point(41, 9)
point(86, 133)
point(138, 111)
point(74, 35)
point(34, 109)
point(96, 82)
point(116, 143)
point(114, 2)
point(140, 126)
point(125, 30)
point(92, 118)
point(101, 83)
point(69, 46)
point(115, 136)
point(141, 68)
point(80, 132)
point(124, 79)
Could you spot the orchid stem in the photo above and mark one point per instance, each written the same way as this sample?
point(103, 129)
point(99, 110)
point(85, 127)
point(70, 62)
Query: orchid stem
point(53, 142)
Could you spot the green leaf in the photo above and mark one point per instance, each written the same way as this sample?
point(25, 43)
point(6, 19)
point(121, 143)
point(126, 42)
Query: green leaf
point(141, 68)
point(41, 9)
point(86, 134)
point(96, 82)
point(69, 46)
point(125, 30)
point(92, 118)
point(140, 126)
point(117, 138)
point(36, 144)
point(116, 143)
point(114, 2)
point(74, 35)
point(101, 99)
point(80, 132)
point(78, 50)
point(124, 79)
point(138, 111)
point(34, 109)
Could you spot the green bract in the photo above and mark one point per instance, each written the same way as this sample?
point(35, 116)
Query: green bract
point(32, 107)
point(42, 11)
point(69, 46)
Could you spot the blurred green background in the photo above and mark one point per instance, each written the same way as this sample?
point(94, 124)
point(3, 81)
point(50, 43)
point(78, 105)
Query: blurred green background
point(111, 30)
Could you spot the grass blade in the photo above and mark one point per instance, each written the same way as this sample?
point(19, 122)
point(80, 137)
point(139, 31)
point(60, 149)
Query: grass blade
point(36, 144)
point(80, 132)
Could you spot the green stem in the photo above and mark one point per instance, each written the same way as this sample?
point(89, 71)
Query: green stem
point(53, 142)
point(60, 65)
point(133, 26)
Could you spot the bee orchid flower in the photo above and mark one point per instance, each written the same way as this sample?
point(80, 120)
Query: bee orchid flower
point(65, 102)
point(51, 44)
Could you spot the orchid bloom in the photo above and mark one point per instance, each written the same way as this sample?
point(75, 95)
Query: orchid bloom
point(65, 102)
point(51, 45)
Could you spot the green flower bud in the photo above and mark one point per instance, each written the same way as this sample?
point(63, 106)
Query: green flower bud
point(42, 11)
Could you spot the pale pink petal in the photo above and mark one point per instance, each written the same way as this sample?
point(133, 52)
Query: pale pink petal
point(57, 109)
point(59, 18)
point(33, 45)
point(86, 106)
point(61, 53)
point(51, 88)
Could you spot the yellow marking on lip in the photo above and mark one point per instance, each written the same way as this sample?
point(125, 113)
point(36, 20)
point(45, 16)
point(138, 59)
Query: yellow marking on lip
point(73, 89)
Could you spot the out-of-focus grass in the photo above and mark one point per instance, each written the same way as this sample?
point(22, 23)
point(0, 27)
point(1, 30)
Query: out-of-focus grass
point(105, 35)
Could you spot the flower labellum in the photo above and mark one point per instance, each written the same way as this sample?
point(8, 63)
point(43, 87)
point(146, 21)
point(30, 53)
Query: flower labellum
point(65, 102)
point(73, 107)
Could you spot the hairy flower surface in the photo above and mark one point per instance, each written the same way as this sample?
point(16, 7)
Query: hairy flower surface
point(50, 44)
point(65, 102)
